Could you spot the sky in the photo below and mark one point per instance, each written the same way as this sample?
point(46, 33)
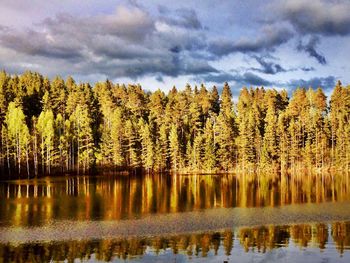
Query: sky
point(162, 43)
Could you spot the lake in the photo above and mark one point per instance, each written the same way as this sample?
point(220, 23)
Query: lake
point(176, 218)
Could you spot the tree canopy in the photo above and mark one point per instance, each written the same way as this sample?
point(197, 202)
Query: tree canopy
point(60, 126)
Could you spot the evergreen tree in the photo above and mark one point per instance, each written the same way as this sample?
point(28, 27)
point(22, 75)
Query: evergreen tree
point(215, 100)
point(133, 149)
point(117, 137)
point(17, 136)
point(46, 131)
point(225, 131)
point(270, 144)
point(62, 126)
point(174, 146)
point(339, 119)
point(209, 147)
point(162, 149)
point(148, 151)
point(83, 138)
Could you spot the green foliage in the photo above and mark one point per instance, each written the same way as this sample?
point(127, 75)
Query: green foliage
point(64, 126)
point(17, 135)
point(46, 131)
point(174, 146)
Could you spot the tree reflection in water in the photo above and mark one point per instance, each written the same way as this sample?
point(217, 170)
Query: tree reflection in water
point(113, 198)
point(257, 239)
point(38, 202)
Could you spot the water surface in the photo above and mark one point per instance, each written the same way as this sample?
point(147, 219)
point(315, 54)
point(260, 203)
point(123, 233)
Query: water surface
point(161, 218)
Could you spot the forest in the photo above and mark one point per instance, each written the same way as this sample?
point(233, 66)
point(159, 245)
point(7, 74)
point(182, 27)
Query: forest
point(59, 126)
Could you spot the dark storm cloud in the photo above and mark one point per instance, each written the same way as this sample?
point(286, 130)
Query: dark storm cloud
point(327, 83)
point(132, 24)
point(318, 16)
point(271, 68)
point(35, 43)
point(316, 19)
point(183, 17)
point(236, 80)
point(159, 79)
point(269, 38)
point(307, 69)
point(252, 79)
point(128, 43)
point(135, 68)
point(310, 48)
point(246, 79)
point(267, 67)
point(137, 41)
point(219, 78)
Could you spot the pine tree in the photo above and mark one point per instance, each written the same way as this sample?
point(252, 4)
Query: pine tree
point(270, 144)
point(117, 137)
point(63, 126)
point(156, 107)
point(46, 130)
point(18, 137)
point(225, 131)
point(83, 138)
point(162, 149)
point(148, 151)
point(5, 97)
point(215, 100)
point(58, 96)
point(103, 93)
point(133, 149)
point(297, 112)
point(248, 141)
point(284, 139)
point(209, 147)
point(174, 146)
point(197, 153)
point(339, 118)
point(60, 141)
point(226, 101)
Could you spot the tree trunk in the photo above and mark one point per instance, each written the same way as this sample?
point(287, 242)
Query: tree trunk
point(27, 157)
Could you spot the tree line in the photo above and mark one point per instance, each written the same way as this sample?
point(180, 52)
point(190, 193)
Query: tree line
point(60, 126)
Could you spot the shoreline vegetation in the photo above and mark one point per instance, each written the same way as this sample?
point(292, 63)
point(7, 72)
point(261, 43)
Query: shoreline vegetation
point(58, 126)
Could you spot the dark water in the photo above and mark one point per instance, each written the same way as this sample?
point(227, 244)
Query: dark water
point(161, 218)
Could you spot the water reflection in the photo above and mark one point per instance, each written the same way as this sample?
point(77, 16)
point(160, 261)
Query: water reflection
point(328, 238)
point(36, 202)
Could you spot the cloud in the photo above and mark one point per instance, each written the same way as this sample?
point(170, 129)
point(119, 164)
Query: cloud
point(267, 67)
point(34, 43)
point(251, 79)
point(133, 24)
point(3, 28)
point(245, 79)
point(269, 38)
point(159, 78)
point(310, 48)
point(271, 68)
point(127, 43)
point(140, 41)
point(186, 18)
point(236, 80)
point(318, 16)
point(327, 83)
point(307, 69)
